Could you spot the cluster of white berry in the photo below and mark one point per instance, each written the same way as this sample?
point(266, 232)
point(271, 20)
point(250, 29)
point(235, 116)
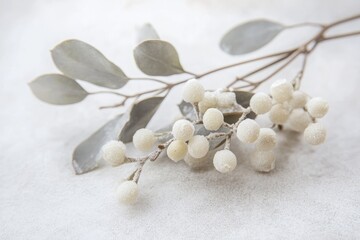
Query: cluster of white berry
point(295, 109)
point(283, 105)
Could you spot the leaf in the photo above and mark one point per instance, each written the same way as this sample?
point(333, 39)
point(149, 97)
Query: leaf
point(86, 155)
point(80, 60)
point(57, 89)
point(139, 116)
point(243, 98)
point(157, 58)
point(146, 32)
point(250, 36)
point(187, 110)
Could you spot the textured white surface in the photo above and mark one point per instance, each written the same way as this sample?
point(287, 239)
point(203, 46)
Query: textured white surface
point(314, 192)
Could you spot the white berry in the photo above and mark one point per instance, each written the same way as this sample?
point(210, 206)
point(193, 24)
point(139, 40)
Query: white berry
point(279, 114)
point(298, 120)
point(193, 91)
point(177, 150)
point(263, 161)
point(144, 139)
point(248, 131)
point(195, 163)
point(260, 103)
point(298, 99)
point(266, 140)
point(224, 161)
point(317, 107)
point(209, 101)
point(213, 119)
point(281, 90)
point(113, 152)
point(225, 99)
point(128, 192)
point(183, 130)
point(315, 134)
point(198, 146)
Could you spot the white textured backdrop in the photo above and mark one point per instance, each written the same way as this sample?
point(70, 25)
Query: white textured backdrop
point(314, 193)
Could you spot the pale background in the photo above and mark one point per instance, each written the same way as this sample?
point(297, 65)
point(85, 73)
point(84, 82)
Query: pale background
point(314, 193)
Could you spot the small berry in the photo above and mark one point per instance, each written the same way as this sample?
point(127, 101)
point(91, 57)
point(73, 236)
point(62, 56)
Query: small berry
point(198, 146)
point(260, 103)
point(298, 100)
point(317, 107)
point(278, 114)
point(224, 161)
point(299, 120)
point(248, 131)
point(213, 119)
point(209, 101)
point(225, 99)
point(144, 139)
point(263, 161)
point(193, 91)
point(113, 152)
point(266, 140)
point(177, 150)
point(315, 134)
point(281, 90)
point(128, 192)
point(183, 130)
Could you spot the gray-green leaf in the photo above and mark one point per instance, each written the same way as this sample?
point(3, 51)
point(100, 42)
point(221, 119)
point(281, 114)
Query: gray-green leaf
point(146, 32)
point(139, 116)
point(250, 36)
point(57, 89)
point(157, 58)
point(80, 60)
point(187, 110)
point(86, 155)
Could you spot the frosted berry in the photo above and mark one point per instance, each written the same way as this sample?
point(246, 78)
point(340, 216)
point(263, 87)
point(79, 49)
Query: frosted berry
point(177, 150)
point(144, 139)
point(263, 161)
point(260, 103)
point(248, 131)
point(128, 192)
point(213, 119)
point(317, 107)
point(113, 152)
point(224, 161)
point(315, 134)
point(279, 114)
point(193, 91)
point(198, 146)
point(183, 130)
point(281, 90)
point(266, 140)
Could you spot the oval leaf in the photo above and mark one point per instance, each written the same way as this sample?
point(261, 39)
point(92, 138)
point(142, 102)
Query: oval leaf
point(80, 60)
point(146, 32)
point(157, 58)
point(139, 116)
point(249, 36)
point(57, 89)
point(86, 155)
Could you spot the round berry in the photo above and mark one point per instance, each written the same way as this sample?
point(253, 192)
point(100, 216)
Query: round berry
point(298, 99)
point(224, 161)
point(193, 91)
point(183, 130)
point(266, 140)
point(113, 152)
point(315, 134)
point(299, 120)
point(279, 114)
point(260, 103)
point(177, 150)
point(128, 192)
point(144, 139)
point(198, 146)
point(209, 101)
point(263, 161)
point(225, 99)
point(248, 131)
point(281, 90)
point(317, 107)
point(213, 119)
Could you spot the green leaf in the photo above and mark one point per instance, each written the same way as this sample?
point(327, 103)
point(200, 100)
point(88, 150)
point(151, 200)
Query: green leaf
point(57, 89)
point(250, 36)
point(79, 60)
point(87, 153)
point(146, 32)
point(139, 116)
point(157, 58)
